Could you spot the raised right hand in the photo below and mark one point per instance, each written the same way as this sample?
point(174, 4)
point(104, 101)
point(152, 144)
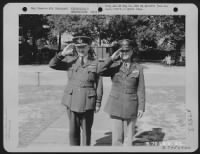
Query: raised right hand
point(68, 50)
point(116, 55)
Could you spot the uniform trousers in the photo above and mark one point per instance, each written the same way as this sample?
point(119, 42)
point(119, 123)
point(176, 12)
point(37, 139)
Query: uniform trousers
point(80, 122)
point(123, 131)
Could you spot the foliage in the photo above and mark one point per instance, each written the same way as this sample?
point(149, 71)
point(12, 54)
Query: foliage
point(32, 25)
point(160, 32)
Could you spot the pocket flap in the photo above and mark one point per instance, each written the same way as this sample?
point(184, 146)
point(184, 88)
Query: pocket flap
point(130, 91)
point(91, 93)
point(134, 74)
point(69, 90)
point(92, 68)
point(134, 97)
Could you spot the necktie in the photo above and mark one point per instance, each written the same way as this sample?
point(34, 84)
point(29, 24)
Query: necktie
point(126, 66)
point(82, 62)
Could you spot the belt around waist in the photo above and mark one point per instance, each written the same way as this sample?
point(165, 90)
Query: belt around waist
point(83, 85)
point(125, 90)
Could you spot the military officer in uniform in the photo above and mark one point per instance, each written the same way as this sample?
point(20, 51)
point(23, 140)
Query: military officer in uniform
point(126, 101)
point(83, 93)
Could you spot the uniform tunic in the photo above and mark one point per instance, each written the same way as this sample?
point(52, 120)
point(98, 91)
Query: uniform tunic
point(127, 94)
point(84, 88)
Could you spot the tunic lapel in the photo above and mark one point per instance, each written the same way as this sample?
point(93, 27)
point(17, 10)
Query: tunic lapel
point(76, 65)
point(122, 68)
point(132, 67)
point(87, 63)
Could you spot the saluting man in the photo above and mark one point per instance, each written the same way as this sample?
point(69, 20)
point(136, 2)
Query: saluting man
point(126, 101)
point(83, 93)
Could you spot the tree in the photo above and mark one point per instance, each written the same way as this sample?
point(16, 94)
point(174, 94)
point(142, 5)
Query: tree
point(156, 32)
point(30, 30)
point(90, 25)
point(32, 25)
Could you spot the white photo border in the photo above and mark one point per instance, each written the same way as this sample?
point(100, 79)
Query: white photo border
point(11, 13)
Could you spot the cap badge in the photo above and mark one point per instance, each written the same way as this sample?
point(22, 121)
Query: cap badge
point(80, 40)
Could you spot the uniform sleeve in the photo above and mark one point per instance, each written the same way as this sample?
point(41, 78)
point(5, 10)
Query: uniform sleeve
point(99, 91)
point(57, 62)
point(141, 91)
point(106, 68)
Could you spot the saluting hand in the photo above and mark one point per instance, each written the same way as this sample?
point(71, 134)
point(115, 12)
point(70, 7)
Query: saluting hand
point(68, 50)
point(116, 55)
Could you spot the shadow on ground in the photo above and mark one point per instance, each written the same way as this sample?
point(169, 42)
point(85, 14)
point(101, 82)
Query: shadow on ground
point(104, 141)
point(154, 135)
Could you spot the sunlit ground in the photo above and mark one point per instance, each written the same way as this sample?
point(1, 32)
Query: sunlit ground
point(39, 104)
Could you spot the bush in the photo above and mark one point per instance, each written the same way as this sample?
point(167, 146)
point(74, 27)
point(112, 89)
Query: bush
point(152, 54)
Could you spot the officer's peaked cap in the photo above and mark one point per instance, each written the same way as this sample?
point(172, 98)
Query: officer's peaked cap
point(127, 43)
point(81, 40)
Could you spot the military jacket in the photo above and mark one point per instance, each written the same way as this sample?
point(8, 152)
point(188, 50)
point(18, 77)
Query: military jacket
point(127, 94)
point(85, 88)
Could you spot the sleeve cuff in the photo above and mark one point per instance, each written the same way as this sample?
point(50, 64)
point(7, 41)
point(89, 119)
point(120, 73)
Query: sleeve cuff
point(98, 103)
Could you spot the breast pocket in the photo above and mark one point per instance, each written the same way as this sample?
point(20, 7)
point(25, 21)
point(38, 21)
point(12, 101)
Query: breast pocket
point(92, 74)
point(117, 77)
point(134, 74)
